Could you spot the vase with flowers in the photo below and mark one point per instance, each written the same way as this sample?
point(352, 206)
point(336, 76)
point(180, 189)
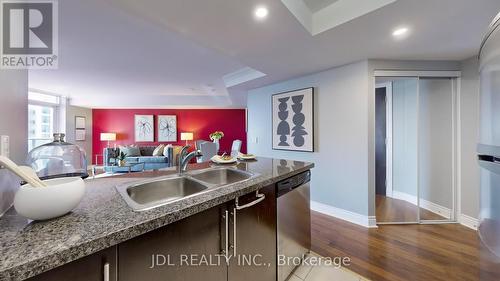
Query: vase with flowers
point(215, 137)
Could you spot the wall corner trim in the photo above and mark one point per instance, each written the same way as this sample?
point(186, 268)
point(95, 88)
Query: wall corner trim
point(352, 217)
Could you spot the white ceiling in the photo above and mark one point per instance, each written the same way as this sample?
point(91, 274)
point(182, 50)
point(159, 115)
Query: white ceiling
point(333, 14)
point(156, 53)
point(316, 5)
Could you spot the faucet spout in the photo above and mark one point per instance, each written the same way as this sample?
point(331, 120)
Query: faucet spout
point(184, 159)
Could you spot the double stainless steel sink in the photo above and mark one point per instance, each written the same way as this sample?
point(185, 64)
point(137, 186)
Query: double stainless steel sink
point(157, 192)
point(221, 176)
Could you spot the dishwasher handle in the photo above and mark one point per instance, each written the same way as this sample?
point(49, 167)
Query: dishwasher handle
point(260, 198)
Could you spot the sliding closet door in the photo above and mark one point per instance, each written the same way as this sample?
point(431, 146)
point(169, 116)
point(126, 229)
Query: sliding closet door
point(436, 145)
point(398, 205)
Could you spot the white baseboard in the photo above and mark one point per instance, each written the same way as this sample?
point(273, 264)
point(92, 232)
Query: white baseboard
point(366, 221)
point(468, 221)
point(464, 220)
point(404, 196)
point(424, 204)
point(371, 222)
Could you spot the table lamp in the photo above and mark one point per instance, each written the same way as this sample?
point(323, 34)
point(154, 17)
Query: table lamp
point(108, 137)
point(187, 136)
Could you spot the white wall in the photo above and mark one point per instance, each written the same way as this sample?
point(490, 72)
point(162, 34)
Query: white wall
point(14, 123)
point(14, 112)
point(71, 113)
point(340, 178)
point(469, 108)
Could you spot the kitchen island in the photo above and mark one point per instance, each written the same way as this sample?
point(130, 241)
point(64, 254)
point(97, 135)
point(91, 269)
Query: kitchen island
point(103, 219)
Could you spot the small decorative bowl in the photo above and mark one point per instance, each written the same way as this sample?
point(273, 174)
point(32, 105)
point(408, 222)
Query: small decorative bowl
point(42, 203)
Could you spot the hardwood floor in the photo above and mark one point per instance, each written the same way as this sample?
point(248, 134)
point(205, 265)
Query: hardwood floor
point(395, 210)
point(447, 252)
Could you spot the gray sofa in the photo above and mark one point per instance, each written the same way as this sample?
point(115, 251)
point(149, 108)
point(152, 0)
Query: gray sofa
point(150, 162)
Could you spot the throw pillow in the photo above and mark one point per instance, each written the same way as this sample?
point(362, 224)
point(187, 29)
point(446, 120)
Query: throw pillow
point(159, 150)
point(131, 151)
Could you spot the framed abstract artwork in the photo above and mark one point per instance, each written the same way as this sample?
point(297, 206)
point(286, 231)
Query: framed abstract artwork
point(144, 128)
point(293, 120)
point(80, 134)
point(80, 122)
point(167, 128)
point(80, 129)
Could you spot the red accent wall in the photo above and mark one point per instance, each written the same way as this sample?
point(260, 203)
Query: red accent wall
point(201, 122)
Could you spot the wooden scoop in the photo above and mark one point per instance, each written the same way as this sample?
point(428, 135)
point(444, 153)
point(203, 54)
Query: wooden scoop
point(23, 173)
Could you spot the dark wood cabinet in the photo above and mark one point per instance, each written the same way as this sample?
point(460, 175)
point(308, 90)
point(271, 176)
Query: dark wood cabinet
point(192, 249)
point(185, 250)
point(101, 266)
point(201, 239)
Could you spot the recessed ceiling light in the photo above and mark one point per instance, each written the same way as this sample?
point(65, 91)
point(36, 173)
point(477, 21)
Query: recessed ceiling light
point(400, 32)
point(261, 12)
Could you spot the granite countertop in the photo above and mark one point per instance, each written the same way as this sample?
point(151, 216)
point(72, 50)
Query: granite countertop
point(103, 219)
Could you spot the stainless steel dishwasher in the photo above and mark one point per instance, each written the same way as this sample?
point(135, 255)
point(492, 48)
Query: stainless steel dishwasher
point(294, 222)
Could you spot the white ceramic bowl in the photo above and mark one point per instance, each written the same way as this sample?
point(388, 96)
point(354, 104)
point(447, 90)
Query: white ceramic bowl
point(42, 203)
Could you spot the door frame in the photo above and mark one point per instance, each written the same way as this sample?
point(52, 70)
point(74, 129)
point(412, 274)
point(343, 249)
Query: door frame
point(417, 74)
point(456, 142)
point(388, 135)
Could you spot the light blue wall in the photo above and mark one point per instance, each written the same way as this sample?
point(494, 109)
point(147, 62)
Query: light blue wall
point(340, 178)
point(469, 129)
point(344, 176)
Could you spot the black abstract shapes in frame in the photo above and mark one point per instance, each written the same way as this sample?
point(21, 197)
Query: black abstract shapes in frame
point(293, 120)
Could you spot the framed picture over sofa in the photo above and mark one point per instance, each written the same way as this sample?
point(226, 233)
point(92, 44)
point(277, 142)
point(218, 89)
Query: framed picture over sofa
point(144, 128)
point(167, 128)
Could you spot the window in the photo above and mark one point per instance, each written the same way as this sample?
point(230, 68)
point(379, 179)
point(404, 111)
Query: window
point(42, 118)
